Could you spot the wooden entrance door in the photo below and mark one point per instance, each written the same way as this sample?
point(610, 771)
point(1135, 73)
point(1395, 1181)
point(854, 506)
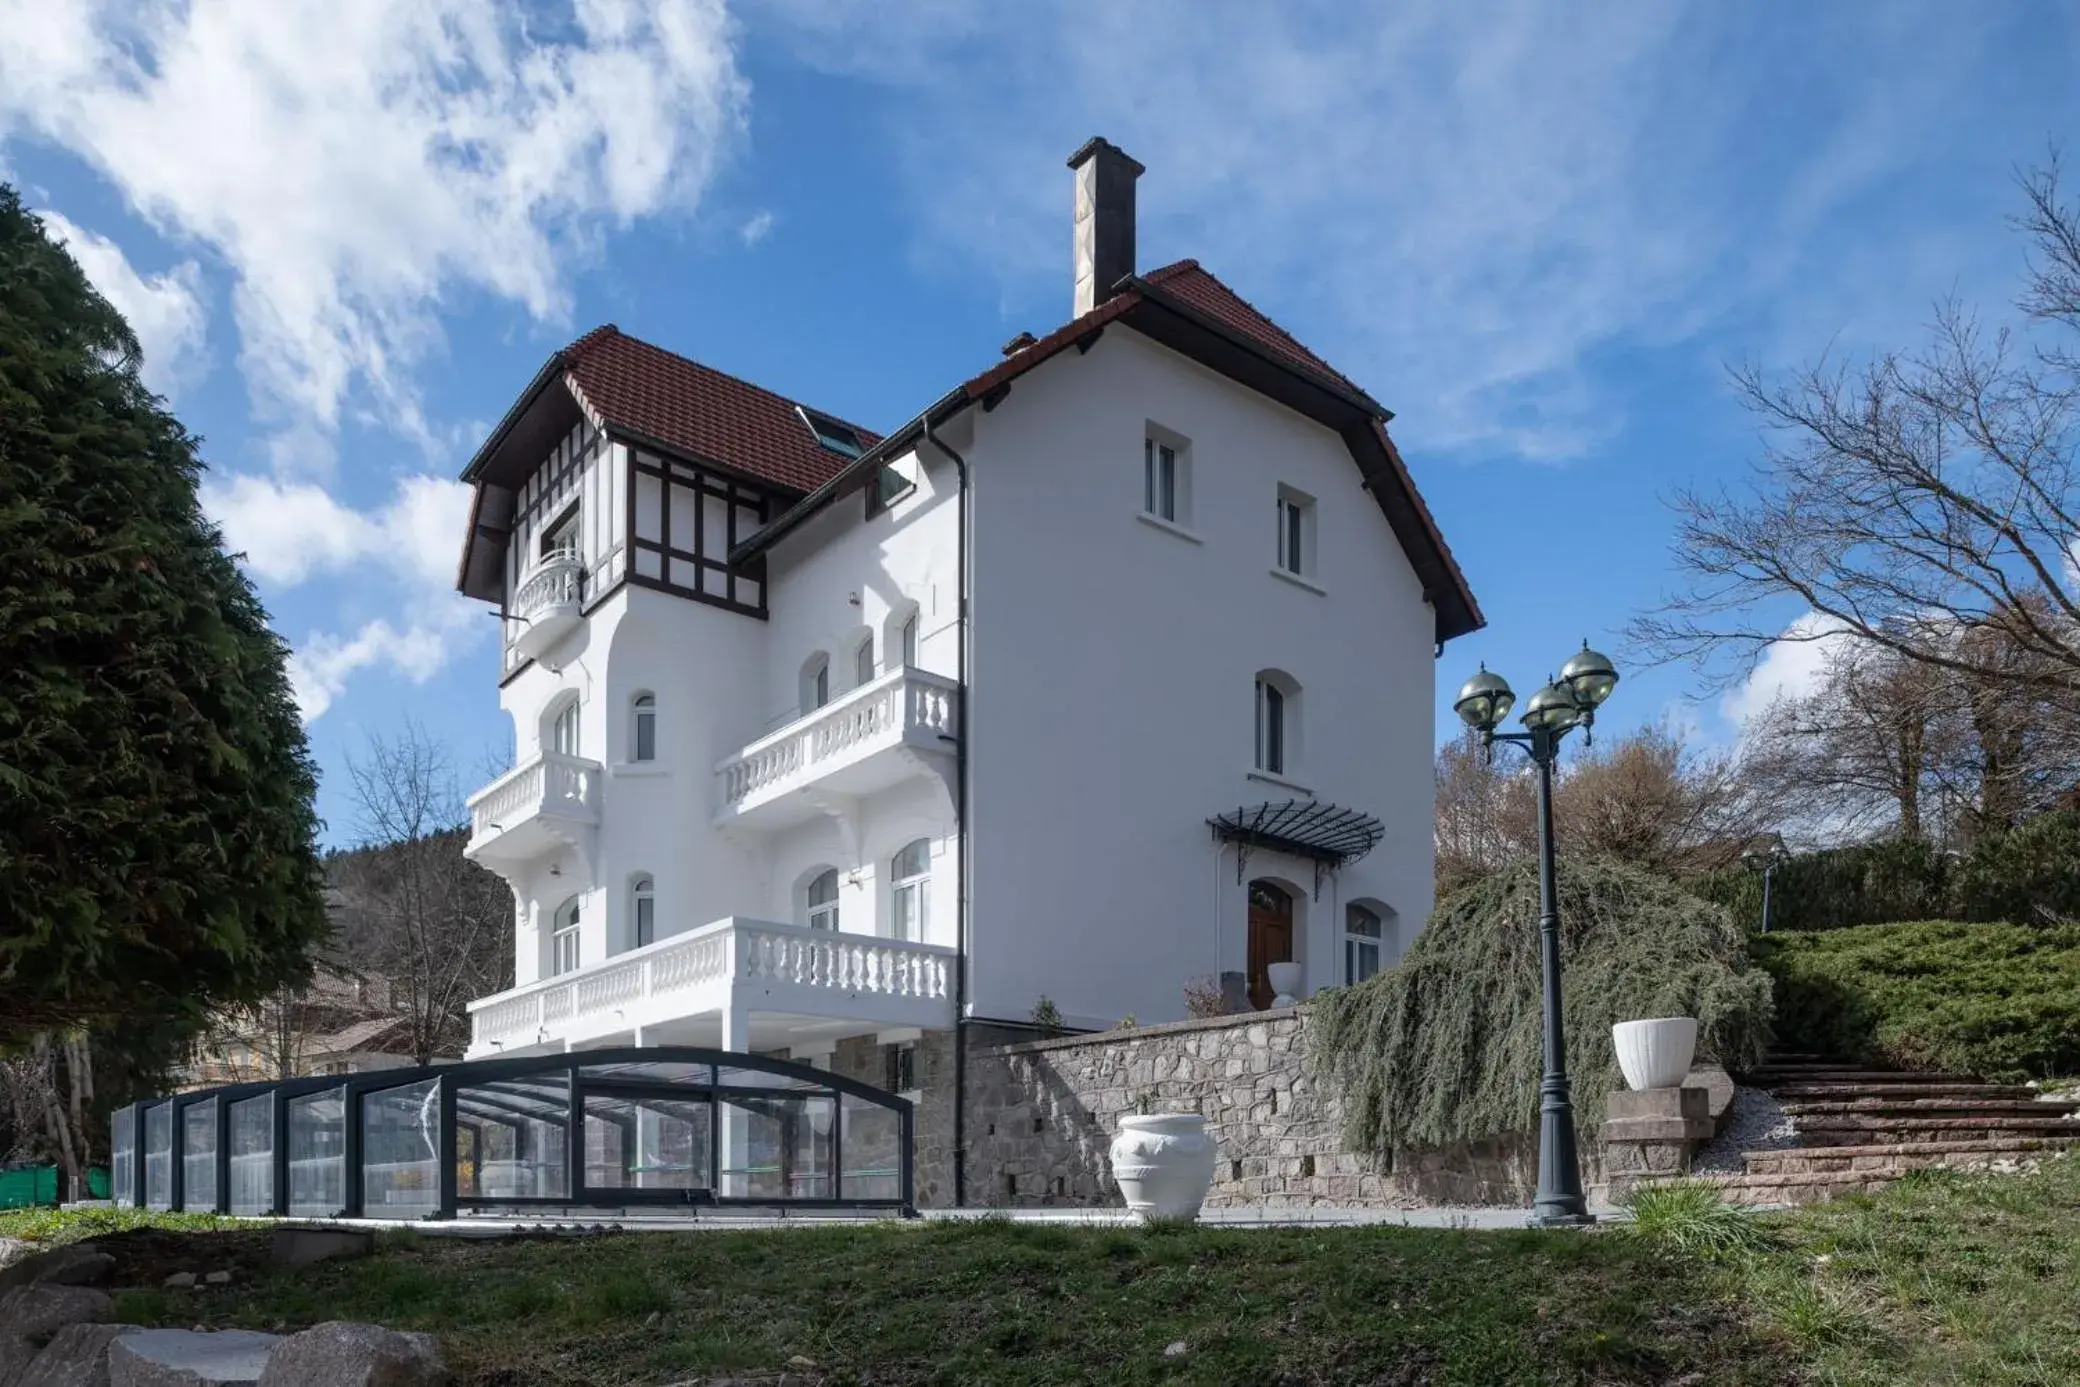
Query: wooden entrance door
point(1270, 937)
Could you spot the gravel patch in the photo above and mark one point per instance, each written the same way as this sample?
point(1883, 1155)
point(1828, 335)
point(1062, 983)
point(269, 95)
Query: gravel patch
point(1757, 1123)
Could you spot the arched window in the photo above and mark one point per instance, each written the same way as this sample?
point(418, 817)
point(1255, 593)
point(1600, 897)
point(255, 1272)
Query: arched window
point(910, 879)
point(562, 735)
point(642, 727)
point(1271, 727)
point(1364, 935)
point(823, 900)
point(863, 661)
point(642, 909)
point(909, 639)
point(816, 682)
point(563, 938)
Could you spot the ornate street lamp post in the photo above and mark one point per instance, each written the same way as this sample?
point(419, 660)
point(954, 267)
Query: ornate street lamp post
point(1765, 854)
point(1561, 706)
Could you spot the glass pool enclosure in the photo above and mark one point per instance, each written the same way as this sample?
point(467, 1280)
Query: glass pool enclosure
point(620, 1129)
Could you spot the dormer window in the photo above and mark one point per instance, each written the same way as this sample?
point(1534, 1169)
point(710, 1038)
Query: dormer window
point(841, 439)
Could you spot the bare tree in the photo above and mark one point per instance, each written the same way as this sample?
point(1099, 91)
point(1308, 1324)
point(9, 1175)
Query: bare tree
point(1486, 813)
point(1863, 754)
point(1924, 503)
point(411, 909)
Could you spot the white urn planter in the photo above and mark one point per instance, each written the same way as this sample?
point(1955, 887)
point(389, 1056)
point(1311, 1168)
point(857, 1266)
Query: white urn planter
point(1164, 1165)
point(1655, 1054)
point(1285, 982)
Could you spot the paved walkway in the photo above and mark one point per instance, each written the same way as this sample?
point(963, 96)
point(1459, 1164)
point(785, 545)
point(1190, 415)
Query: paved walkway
point(579, 1220)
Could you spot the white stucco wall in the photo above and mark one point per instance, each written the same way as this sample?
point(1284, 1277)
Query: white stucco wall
point(1113, 693)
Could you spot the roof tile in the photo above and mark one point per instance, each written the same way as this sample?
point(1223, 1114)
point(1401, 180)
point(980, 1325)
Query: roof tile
point(700, 412)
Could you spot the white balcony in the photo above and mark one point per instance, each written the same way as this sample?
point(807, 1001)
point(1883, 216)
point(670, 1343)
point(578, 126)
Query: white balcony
point(547, 803)
point(898, 727)
point(547, 606)
point(680, 988)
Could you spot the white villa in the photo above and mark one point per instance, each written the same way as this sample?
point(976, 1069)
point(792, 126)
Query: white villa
point(1109, 671)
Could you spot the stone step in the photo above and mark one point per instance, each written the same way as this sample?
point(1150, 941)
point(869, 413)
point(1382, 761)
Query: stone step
point(1896, 1157)
point(1795, 1189)
point(1914, 1108)
point(1770, 1078)
point(1890, 1092)
point(1799, 1057)
point(1862, 1129)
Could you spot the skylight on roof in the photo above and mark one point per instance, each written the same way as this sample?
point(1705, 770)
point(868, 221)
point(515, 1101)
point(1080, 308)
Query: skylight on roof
point(839, 438)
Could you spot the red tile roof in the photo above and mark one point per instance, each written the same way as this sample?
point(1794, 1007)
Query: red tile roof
point(1198, 288)
point(698, 411)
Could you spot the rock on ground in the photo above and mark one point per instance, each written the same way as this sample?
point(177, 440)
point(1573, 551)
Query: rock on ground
point(189, 1358)
point(338, 1354)
point(81, 1264)
point(40, 1310)
point(76, 1356)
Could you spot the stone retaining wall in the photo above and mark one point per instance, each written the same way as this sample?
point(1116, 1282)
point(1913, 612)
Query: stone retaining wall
point(1042, 1116)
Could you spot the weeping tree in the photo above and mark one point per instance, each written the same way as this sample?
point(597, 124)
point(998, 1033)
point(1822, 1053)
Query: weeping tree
point(1446, 1048)
point(157, 835)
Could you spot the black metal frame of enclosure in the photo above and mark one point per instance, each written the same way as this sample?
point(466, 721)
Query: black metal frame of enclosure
point(467, 1098)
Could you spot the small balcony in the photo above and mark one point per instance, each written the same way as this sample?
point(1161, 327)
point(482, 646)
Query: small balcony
point(755, 965)
point(550, 802)
point(547, 606)
point(900, 726)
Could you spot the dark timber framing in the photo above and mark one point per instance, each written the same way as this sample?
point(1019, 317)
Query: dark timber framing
point(468, 1096)
point(744, 510)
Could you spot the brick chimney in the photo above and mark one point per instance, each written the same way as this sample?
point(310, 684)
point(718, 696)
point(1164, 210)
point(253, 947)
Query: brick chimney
point(1105, 176)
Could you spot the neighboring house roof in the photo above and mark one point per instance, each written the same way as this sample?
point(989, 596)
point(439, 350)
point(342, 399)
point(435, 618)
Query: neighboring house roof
point(358, 1036)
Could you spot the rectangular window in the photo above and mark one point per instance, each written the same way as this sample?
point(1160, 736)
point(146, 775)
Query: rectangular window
point(899, 1068)
point(564, 731)
point(1362, 935)
point(563, 949)
point(1295, 513)
point(646, 919)
point(1271, 729)
point(1159, 479)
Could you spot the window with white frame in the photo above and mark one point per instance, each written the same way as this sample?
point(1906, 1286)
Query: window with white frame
point(563, 938)
point(816, 682)
point(863, 661)
point(910, 876)
point(1274, 725)
point(1295, 531)
point(642, 727)
point(642, 910)
point(560, 540)
point(563, 728)
point(823, 900)
point(908, 636)
point(1364, 935)
point(1165, 478)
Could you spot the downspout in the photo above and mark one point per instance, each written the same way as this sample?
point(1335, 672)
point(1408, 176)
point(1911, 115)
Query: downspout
point(960, 824)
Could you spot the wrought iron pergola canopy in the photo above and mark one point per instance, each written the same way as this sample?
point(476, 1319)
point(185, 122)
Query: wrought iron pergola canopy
point(621, 1128)
point(1328, 835)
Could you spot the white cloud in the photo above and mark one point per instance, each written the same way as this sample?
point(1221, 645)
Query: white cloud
point(358, 170)
point(1791, 667)
point(164, 310)
point(356, 167)
point(757, 229)
point(294, 531)
point(1461, 205)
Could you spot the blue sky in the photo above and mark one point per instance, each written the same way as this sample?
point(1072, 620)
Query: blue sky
point(349, 235)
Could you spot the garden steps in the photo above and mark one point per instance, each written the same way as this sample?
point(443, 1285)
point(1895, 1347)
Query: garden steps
point(1860, 1126)
point(1911, 1109)
point(1801, 1093)
point(1896, 1158)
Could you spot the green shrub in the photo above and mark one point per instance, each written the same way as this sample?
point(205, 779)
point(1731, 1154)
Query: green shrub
point(1691, 1219)
point(2030, 875)
point(1997, 1000)
point(1446, 1047)
point(1867, 884)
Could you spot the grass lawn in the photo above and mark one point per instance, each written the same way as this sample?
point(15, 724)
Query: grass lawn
point(1943, 1279)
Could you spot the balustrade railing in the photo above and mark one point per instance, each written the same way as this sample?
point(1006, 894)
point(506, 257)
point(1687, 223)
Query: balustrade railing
point(728, 951)
point(558, 580)
point(552, 783)
point(900, 703)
